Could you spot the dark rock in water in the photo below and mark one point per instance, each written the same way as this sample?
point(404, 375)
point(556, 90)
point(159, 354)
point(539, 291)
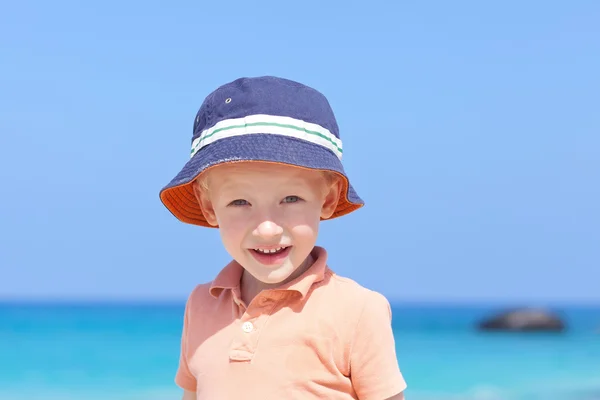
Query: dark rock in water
point(524, 320)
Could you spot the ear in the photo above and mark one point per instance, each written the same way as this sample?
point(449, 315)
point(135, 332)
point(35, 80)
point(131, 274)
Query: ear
point(205, 204)
point(331, 199)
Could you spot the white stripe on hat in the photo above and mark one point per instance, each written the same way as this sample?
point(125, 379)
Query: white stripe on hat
point(269, 124)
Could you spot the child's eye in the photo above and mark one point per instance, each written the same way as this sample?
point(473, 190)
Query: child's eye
point(239, 202)
point(291, 199)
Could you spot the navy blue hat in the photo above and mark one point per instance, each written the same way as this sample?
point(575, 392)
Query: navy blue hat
point(260, 119)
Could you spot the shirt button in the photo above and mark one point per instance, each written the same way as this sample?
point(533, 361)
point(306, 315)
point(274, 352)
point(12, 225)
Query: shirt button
point(247, 327)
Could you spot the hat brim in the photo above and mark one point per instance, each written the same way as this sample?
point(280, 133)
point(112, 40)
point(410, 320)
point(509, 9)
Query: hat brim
point(178, 196)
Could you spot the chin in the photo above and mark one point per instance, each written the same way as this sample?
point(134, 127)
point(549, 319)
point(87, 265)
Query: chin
point(279, 274)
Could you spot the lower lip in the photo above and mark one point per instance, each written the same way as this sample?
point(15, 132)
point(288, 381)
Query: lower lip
point(271, 259)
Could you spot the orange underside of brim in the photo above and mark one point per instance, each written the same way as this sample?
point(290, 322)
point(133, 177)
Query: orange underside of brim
point(182, 203)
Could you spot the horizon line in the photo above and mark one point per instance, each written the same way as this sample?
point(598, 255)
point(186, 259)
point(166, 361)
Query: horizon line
point(459, 302)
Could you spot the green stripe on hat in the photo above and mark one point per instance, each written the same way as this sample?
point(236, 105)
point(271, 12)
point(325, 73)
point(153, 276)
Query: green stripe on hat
point(269, 124)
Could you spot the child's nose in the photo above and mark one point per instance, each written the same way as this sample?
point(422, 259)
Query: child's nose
point(268, 229)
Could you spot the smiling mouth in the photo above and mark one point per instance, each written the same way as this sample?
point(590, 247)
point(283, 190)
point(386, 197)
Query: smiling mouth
point(276, 250)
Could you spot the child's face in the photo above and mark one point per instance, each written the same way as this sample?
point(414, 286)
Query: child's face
point(262, 208)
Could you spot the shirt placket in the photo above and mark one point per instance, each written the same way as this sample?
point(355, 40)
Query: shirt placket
point(250, 326)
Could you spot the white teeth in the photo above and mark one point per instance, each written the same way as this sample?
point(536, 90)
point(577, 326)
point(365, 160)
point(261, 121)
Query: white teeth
point(269, 251)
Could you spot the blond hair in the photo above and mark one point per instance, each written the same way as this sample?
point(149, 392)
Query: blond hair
point(202, 180)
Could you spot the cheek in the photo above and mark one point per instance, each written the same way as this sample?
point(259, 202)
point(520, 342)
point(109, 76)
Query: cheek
point(232, 240)
point(304, 223)
point(306, 233)
point(231, 229)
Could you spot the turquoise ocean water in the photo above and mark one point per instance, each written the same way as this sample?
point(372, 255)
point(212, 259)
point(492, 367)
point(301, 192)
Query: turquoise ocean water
point(127, 352)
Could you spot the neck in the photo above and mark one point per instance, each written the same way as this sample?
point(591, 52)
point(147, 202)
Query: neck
point(250, 287)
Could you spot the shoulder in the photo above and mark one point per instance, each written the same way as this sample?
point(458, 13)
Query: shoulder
point(352, 300)
point(347, 287)
point(200, 291)
point(198, 298)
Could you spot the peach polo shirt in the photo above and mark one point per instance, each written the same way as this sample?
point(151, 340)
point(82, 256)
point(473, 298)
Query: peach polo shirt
point(320, 336)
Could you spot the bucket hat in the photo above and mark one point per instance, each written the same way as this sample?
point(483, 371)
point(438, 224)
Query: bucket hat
point(266, 119)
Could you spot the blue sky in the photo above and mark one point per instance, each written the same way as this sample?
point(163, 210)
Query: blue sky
point(471, 130)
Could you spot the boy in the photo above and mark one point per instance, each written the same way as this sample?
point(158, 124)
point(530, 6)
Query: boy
point(276, 323)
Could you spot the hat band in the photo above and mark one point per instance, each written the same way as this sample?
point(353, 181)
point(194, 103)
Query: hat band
point(269, 124)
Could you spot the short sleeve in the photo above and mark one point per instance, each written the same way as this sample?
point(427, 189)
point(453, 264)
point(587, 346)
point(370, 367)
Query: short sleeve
point(374, 369)
point(184, 378)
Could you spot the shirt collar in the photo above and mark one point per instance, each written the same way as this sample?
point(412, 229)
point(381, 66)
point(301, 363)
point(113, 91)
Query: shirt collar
point(230, 276)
